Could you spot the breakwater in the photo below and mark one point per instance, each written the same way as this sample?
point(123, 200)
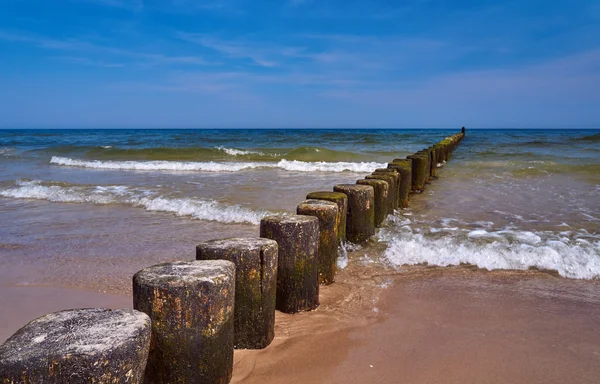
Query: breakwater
point(190, 304)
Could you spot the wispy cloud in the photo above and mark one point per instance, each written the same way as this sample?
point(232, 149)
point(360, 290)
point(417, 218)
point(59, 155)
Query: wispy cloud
point(135, 5)
point(240, 50)
point(89, 62)
point(137, 57)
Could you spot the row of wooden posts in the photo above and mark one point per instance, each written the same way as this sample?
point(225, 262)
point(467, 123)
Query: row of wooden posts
point(189, 316)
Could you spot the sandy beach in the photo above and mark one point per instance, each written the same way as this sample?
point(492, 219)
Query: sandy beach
point(456, 326)
point(429, 325)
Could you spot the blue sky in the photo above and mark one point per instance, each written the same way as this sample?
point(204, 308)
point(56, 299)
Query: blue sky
point(299, 63)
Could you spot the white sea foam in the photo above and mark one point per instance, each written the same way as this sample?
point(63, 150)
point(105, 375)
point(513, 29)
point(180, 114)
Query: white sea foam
point(507, 249)
point(211, 166)
point(6, 152)
point(209, 210)
point(241, 152)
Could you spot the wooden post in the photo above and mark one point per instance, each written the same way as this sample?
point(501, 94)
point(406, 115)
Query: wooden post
point(297, 271)
point(255, 262)
point(101, 346)
point(404, 168)
point(393, 179)
point(419, 170)
point(342, 202)
point(360, 222)
point(381, 189)
point(191, 307)
point(327, 213)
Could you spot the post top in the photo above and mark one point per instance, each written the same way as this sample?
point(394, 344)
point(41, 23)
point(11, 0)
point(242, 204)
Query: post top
point(76, 331)
point(249, 243)
point(290, 219)
point(183, 273)
point(326, 195)
point(356, 187)
point(318, 202)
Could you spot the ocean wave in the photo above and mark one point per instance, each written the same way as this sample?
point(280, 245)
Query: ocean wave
point(589, 138)
point(212, 166)
point(7, 152)
point(208, 210)
point(241, 152)
point(200, 154)
point(575, 257)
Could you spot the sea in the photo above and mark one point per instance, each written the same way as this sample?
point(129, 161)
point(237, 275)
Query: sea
point(85, 209)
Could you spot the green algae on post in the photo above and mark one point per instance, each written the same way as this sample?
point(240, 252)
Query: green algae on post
point(297, 270)
point(327, 213)
point(381, 189)
point(419, 170)
point(393, 178)
point(191, 307)
point(404, 168)
point(342, 202)
point(360, 221)
point(255, 262)
point(103, 346)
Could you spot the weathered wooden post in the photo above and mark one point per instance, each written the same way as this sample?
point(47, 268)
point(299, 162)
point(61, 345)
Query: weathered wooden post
point(297, 270)
point(327, 213)
point(419, 170)
point(342, 202)
point(191, 307)
point(427, 153)
point(463, 130)
point(404, 168)
point(432, 162)
point(101, 346)
point(394, 184)
point(392, 180)
point(255, 262)
point(360, 222)
point(381, 190)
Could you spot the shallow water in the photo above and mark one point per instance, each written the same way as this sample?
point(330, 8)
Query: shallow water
point(87, 208)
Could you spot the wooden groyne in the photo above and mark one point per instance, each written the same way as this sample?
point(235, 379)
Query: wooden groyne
point(190, 315)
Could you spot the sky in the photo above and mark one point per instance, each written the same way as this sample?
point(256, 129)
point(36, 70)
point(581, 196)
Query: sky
point(299, 64)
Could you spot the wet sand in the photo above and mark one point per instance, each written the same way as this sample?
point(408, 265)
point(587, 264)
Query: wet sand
point(21, 304)
point(428, 325)
point(453, 326)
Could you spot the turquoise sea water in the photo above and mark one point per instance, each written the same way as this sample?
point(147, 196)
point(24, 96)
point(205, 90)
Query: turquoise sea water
point(87, 208)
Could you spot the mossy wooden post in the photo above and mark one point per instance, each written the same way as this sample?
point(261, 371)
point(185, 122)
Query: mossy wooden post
point(391, 179)
point(404, 168)
point(448, 144)
point(255, 262)
point(432, 162)
point(381, 189)
point(191, 307)
point(394, 184)
point(298, 270)
point(439, 155)
point(78, 346)
point(360, 221)
point(427, 153)
point(342, 202)
point(419, 169)
point(327, 213)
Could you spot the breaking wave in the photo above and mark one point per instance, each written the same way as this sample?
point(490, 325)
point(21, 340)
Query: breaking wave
point(209, 210)
point(211, 166)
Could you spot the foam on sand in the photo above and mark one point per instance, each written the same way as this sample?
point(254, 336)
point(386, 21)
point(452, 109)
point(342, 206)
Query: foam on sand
point(574, 256)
